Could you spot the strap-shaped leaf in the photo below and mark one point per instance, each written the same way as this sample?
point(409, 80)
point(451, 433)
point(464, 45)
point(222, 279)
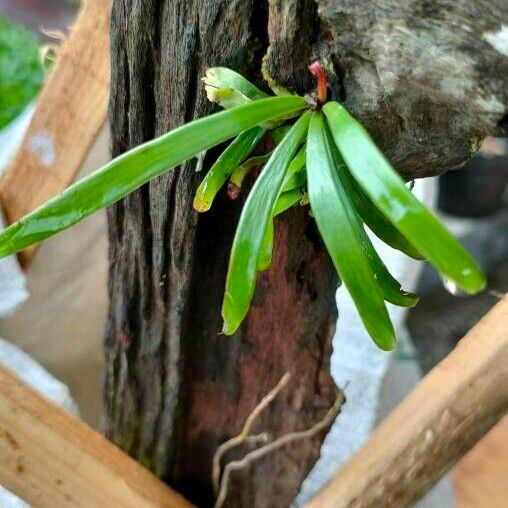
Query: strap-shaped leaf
point(256, 214)
point(295, 175)
point(230, 158)
point(239, 173)
point(387, 190)
point(341, 230)
point(374, 218)
point(222, 77)
point(136, 167)
point(285, 202)
point(390, 288)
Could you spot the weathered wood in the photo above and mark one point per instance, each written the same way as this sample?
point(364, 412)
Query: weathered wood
point(53, 460)
point(175, 389)
point(70, 111)
point(439, 421)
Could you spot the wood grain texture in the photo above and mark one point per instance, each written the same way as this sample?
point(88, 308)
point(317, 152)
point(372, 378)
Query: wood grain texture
point(480, 477)
point(439, 421)
point(175, 388)
point(70, 111)
point(52, 460)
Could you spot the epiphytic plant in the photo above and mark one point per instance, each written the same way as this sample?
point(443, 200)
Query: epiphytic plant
point(321, 156)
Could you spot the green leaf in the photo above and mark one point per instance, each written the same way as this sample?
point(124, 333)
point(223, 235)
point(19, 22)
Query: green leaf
point(390, 288)
point(222, 77)
point(239, 173)
point(295, 175)
point(285, 201)
point(136, 167)
point(256, 214)
point(229, 159)
point(387, 190)
point(374, 218)
point(342, 231)
point(226, 97)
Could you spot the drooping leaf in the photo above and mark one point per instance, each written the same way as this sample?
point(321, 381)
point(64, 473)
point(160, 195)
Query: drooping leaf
point(341, 230)
point(222, 77)
point(230, 158)
point(390, 288)
point(136, 167)
point(387, 190)
point(374, 218)
point(256, 214)
point(285, 201)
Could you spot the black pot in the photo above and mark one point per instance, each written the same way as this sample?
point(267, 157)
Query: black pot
point(477, 190)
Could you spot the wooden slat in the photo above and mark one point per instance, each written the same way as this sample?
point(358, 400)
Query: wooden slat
point(442, 418)
point(70, 111)
point(52, 460)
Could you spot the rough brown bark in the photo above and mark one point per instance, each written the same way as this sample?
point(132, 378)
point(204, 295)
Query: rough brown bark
point(424, 79)
point(175, 389)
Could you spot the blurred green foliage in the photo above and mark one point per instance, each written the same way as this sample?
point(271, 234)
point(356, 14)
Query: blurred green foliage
point(21, 74)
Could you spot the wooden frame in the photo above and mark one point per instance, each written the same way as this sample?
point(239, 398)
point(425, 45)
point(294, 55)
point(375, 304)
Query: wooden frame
point(70, 112)
point(438, 422)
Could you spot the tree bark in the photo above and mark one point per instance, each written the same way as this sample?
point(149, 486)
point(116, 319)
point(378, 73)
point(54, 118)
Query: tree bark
point(427, 79)
point(176, 389)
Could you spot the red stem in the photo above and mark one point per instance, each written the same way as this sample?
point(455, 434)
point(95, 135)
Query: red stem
point(322, 83)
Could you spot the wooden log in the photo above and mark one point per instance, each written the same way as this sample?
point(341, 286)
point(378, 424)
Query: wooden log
point(439, 421)
point(70, 111)
point(51, 459)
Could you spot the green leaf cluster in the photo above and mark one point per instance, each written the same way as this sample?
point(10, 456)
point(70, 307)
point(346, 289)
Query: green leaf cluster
point(322, 156)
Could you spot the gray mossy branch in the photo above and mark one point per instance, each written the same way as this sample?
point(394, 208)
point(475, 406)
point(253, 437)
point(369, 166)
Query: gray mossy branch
point(429, 79)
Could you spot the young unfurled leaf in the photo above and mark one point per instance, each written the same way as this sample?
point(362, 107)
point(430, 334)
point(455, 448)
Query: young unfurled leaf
point(222, 77)
point(230, 158)
point(341, 230)
point(136, 167)
point(387, 190)
point(256, 214)
point(226, 97)
point(286, 200)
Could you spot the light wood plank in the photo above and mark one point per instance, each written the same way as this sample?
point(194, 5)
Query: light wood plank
point(70, 111)
point(439, 421)
point(480, 478)
point(51, 460)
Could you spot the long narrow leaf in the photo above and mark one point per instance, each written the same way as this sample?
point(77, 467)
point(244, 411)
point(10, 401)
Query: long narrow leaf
point(341, 230)
point(136, 167)
point(231, 157)
point(295, 175)
point(390, 288)
point(254, 219)
point(374, 218)
point(286, 200)
point(387, 190)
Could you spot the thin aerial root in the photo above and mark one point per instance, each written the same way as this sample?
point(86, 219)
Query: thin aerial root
point(278, 443)
point(244, 434)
